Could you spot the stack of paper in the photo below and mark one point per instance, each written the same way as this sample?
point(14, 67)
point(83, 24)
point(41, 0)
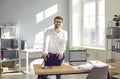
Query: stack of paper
point(92, 63)
point(86, 66)
point(97, 63)
point(75, 67)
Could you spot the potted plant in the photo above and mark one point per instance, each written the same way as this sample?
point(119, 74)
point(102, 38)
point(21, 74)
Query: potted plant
point(116, 19)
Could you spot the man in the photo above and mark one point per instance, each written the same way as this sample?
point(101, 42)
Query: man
point(54, 46)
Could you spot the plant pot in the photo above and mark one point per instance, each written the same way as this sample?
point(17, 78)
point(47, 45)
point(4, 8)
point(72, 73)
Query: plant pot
point(117, 23)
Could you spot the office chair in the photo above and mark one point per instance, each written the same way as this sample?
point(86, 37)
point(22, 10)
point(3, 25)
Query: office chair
point(98, 73)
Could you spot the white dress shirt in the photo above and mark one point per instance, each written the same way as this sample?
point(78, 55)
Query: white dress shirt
point(55, 42)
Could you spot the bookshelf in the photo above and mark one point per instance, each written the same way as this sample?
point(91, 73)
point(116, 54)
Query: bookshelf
point(9, 55)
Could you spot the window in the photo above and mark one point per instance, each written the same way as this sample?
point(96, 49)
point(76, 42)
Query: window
point(92, 25)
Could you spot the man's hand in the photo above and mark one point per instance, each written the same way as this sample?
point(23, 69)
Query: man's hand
point(60, 56)
point(45, 56)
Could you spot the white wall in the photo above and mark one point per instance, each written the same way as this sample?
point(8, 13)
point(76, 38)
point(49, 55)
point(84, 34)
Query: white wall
point(112, 7)
point(24, 12)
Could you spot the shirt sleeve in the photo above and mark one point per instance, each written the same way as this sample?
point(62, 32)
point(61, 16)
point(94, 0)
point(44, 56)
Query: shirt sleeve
point(46, 42)
point(63, 43)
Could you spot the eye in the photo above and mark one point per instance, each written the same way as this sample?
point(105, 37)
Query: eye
point(58, 21)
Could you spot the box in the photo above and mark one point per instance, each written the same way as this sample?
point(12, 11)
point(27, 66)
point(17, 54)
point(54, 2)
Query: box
point(5, 69)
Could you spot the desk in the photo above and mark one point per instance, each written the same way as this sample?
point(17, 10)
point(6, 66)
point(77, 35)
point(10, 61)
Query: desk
point(63, 69)
point(29, 53)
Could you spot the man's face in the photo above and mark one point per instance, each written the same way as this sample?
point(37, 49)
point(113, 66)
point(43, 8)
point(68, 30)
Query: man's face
point(58, 23)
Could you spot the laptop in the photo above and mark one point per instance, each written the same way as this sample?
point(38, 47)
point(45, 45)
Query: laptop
point(77, 57)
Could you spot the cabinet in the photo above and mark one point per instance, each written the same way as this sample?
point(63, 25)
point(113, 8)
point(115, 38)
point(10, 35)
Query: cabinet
point(113, 44)
point(113, 38)
point(9, 55)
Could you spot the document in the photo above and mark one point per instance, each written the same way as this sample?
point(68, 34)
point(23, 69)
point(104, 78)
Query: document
point(47, 67)
point(75, 67)
point(92, 63)
point(87, 66)
point(97, 63)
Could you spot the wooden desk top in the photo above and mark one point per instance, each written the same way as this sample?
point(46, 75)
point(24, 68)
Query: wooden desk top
point(63, 69)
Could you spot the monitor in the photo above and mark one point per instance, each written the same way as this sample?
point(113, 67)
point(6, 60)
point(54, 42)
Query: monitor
point(77, 57)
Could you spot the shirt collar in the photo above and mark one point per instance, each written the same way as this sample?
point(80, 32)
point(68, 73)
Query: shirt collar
point(56, 32)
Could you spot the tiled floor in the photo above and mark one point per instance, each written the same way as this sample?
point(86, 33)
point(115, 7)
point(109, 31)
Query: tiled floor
point(31, 75)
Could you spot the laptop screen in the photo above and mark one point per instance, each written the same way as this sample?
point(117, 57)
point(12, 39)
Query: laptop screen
point(77, 57)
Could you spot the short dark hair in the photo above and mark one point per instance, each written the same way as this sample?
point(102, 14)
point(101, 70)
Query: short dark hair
point(58, 17)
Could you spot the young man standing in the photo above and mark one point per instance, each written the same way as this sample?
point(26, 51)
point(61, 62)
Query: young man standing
point(54, 46)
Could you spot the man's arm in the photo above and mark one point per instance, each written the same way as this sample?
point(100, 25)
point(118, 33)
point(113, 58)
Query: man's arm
point(45, 46)
point(46, 42)
point(63, 43)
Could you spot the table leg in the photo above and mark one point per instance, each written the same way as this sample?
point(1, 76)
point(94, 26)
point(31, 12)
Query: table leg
point(19, 63)
point(27, 62)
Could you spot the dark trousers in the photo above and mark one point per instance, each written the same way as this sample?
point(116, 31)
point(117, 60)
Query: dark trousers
point(52, 61)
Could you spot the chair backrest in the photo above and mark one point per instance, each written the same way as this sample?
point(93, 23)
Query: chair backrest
point(98, 73)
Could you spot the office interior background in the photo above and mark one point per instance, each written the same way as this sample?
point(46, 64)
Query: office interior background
point(35, 16)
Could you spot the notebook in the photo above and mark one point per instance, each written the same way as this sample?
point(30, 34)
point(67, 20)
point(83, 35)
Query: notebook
point(77, 57)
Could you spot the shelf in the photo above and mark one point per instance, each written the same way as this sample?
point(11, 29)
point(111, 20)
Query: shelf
point(8, 32)
point(117, 65)
point(9, 48)
point(7, 60)
point(113, 51)
point(8, 38)
point(13, 68)
point(10, 70)
point(109, 51)
point(10, 26)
